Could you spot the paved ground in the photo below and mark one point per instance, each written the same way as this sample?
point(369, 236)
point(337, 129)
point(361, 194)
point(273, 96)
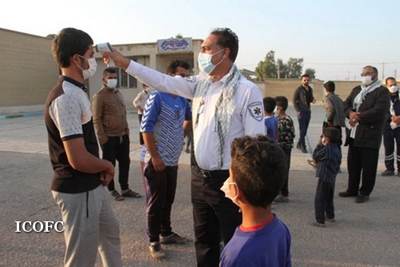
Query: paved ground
point(366, 234)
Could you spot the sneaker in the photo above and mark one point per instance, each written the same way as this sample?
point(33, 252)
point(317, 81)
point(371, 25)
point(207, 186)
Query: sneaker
point(317, 224)
point(387, 173)
point(156, 251)
point(332, 220)
point(172, 239)
point(303, 149)
point(187, 150)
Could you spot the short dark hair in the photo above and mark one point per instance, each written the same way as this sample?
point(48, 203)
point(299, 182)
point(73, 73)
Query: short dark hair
point(304, 75)
point(282, 101)
point(108, 70)
point(329, 86)
point(372, 67)
point(389, 78)
point(227, 39)
point(175, 63)
point(269, 104)
point(258, 166)
point(68, 42)
point(333, 134)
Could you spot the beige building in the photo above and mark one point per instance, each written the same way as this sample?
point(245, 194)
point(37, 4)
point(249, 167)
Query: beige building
point(28, 70)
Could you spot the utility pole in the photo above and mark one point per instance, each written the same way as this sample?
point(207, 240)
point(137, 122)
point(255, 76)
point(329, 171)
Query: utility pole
point(279, 72)
point(383, 71)
point(395, 73)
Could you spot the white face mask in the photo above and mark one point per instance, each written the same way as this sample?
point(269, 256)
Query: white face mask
point(366, 80)
point(91, 70)
point(112, 83)
point(227, 191)
point(323, 141)
point(393, 89)
point(204, 61)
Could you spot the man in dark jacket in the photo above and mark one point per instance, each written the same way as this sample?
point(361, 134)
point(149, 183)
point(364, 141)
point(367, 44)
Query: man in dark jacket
point(365, 109)
point(391, 132)
point(302, 98)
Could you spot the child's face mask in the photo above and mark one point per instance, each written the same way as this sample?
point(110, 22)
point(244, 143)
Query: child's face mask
point(226, 189)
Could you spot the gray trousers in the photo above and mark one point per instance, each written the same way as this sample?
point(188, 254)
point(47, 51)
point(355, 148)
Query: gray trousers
point(89, 226)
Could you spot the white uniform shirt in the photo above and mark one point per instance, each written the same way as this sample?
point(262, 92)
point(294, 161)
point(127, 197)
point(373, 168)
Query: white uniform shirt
point(247, 118)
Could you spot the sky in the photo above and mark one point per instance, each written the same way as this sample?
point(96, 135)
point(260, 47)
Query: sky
point(335, 38)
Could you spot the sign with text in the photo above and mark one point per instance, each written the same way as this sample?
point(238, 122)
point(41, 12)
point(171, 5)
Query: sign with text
point(174, 45)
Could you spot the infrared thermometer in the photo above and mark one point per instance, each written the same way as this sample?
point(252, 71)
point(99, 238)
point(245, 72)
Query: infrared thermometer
point(106, 47)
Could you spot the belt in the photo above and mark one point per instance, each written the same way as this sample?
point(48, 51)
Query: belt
point(214, 174)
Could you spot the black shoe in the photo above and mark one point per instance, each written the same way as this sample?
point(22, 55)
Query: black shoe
point(303, 149)
point(387, 173)
point(361, 198)
point(298, 146)
point(346, 194)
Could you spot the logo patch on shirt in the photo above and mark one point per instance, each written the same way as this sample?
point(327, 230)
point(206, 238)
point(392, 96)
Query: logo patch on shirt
point(191, 79)
point(255, 110)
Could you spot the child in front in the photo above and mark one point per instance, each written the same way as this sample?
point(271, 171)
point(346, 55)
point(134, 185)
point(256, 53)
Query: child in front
point(257, 173)
point(328, 158)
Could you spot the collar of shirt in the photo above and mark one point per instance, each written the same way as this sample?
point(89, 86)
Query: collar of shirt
point(76, 83)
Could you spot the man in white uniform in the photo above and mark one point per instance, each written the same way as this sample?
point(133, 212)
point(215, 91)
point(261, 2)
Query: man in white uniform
point(225, 106)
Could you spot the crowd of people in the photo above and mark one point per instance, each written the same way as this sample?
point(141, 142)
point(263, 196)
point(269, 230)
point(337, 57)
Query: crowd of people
point(240, 157)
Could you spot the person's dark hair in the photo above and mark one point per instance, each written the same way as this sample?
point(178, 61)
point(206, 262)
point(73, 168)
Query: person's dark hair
point(108, 70)
point(269, 104)
point(329, 86)
point(175, 63)
point(258, 166)
point(304, 75)
point(389, 78)
point(333, 134)
point(375, 69)
point(282, 101)
point(227, 39)
point(68, 42)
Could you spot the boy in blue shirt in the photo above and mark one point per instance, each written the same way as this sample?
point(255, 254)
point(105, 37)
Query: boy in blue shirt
point(166, 120)
point(270, 121)
point(328, 157)
point(256, 176)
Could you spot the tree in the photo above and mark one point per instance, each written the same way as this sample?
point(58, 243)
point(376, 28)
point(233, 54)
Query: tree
point(294, 67)
point(271, 69)
point(266, 69)
point(310, 72)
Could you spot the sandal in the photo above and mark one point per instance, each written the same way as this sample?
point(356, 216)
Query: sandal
point(116, 195)
point(131, 193)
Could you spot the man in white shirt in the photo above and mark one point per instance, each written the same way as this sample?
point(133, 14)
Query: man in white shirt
point(225, 106)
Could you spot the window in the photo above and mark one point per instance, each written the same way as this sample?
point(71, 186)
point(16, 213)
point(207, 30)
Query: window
point(125, 80)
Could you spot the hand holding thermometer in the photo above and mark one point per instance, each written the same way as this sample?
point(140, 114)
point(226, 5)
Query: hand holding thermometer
point(106, 47)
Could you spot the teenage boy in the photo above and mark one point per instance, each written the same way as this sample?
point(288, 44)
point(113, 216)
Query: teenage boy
point(257, 172)
point(80, 176)
point(166, 120)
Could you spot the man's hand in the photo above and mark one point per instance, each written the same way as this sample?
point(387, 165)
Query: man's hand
point(158, 164)
point(314, 101)
point(353, 118)
point(396, 119)
point(107, 175)
point(119, 59)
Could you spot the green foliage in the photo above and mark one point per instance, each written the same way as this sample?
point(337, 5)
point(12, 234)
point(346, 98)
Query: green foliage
point(269, 68)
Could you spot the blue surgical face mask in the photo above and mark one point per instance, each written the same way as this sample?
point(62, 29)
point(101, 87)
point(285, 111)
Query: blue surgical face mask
point(204, 61)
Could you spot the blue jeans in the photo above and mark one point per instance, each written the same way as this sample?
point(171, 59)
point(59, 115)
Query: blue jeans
point(304, 120)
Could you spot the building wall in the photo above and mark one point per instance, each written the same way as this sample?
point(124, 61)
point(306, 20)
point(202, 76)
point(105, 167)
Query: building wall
point(286, 87)
point(28, 71)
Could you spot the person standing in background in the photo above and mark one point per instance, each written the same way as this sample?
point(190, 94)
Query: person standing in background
point(139, 102)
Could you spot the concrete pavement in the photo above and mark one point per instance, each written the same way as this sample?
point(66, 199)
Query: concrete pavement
point(365, 234)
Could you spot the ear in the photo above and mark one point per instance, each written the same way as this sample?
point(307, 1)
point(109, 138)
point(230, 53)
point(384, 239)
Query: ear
point(226, 53)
